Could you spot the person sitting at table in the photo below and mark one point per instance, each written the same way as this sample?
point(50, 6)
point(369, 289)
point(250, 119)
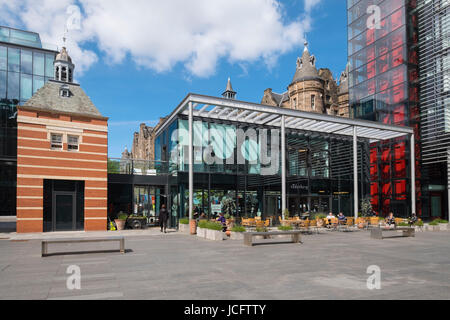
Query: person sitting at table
point(413, 219)
point(390, 220)
point(341, 218)
point(330, 218)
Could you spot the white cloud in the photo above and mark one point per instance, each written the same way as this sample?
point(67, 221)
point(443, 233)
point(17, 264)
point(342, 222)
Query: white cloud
point(310, 4)
point(160, 34)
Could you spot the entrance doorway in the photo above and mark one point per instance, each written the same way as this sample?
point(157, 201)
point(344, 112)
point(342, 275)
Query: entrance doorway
point(298, 206)
point(436, 206)
point(64, 211)
point(63, 205)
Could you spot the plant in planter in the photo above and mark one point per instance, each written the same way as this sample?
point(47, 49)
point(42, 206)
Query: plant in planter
point(184, 221)
point(184, 225)
point(285, 228)
point(237, 232)
point(443, 224)
point(319, 217)
point(121, 220)
point(286, 214)
point(366, 207)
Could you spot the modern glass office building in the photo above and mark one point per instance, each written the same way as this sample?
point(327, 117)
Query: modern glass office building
point(434, 71)
point(384, 87)
point(237, 151)
point(25, 65)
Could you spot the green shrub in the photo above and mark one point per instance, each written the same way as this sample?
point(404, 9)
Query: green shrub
point(285, 228)
point(419, 223)
point(403, 224)
point(184, 221)
point(434, 223)
point(261, 229)
point(238, 229)
point(205, 224)
point(122, 216)
point(441, 221)
point(318, 216)
point(227, 216)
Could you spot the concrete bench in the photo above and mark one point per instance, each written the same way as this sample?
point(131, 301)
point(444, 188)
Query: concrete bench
point(295, 236)
point(377, 233)
point(45, 243)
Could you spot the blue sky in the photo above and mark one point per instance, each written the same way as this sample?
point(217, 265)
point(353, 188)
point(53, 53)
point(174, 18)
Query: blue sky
point(131, 81)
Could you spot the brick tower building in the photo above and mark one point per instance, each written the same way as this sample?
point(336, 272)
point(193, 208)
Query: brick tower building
point(62, 150)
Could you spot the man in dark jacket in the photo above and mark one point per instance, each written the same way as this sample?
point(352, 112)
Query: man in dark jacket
point(163, 217)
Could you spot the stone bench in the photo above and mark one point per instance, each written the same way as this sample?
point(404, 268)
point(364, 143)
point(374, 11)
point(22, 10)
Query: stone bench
point(295, 236)
point(377, 233)
point(45, 243)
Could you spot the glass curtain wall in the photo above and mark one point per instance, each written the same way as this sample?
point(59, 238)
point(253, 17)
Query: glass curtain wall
point(319, 172)
point(23, 71)
point(383, 87)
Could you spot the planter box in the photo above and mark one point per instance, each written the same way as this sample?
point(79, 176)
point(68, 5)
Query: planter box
point(433, 228)
point(443, 226)
point(201, 232)
point(237, 235)
point(215, 235)
point(184, 228)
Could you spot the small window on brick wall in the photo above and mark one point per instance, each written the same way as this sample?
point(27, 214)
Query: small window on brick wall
point(72, 143)
point(56, 141)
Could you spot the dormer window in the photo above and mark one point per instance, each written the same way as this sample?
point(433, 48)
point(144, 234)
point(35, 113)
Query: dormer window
point(64, 91)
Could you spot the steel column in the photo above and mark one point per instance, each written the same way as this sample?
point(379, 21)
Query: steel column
point(191, 162)
point(355, 172)
point(413, 174)
point(283, 165)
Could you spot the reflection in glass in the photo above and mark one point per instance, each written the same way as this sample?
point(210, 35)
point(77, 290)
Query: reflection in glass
point(39, 64)
point(26, 62)
point(13, 60)
point(13, 86)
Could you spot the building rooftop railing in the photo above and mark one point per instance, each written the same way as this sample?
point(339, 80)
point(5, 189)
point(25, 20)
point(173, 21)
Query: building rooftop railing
point(139, 167)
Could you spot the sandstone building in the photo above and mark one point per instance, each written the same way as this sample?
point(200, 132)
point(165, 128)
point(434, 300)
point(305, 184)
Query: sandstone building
point(312, 90)
point(143, 143)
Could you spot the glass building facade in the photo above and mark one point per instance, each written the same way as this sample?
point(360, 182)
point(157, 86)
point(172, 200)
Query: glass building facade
point(231, 174)
point(384, 87)
point(25, 65)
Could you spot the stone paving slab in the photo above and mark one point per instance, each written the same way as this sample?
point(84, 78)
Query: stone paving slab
point(330, 265)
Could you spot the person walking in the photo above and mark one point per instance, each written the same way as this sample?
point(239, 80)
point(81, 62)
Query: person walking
point(163, 217)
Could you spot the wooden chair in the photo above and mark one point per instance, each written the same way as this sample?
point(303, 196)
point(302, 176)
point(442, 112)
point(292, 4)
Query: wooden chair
point(259, 224)
point(267, 223)
point(374, 221)
point(313, 225)
point(304, 225)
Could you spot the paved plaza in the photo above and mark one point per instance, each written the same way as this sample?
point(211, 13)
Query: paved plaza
point(330, 265)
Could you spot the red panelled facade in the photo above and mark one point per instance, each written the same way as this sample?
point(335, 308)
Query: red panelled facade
point(384, 88)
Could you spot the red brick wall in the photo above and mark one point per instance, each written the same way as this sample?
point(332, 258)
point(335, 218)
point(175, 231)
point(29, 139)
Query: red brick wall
point(36, 161)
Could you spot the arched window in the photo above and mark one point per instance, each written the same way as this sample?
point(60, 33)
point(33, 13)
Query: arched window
point(63, 74)
point(57, 73)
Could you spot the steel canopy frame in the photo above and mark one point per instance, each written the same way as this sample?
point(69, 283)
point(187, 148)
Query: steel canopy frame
point(257, 114)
